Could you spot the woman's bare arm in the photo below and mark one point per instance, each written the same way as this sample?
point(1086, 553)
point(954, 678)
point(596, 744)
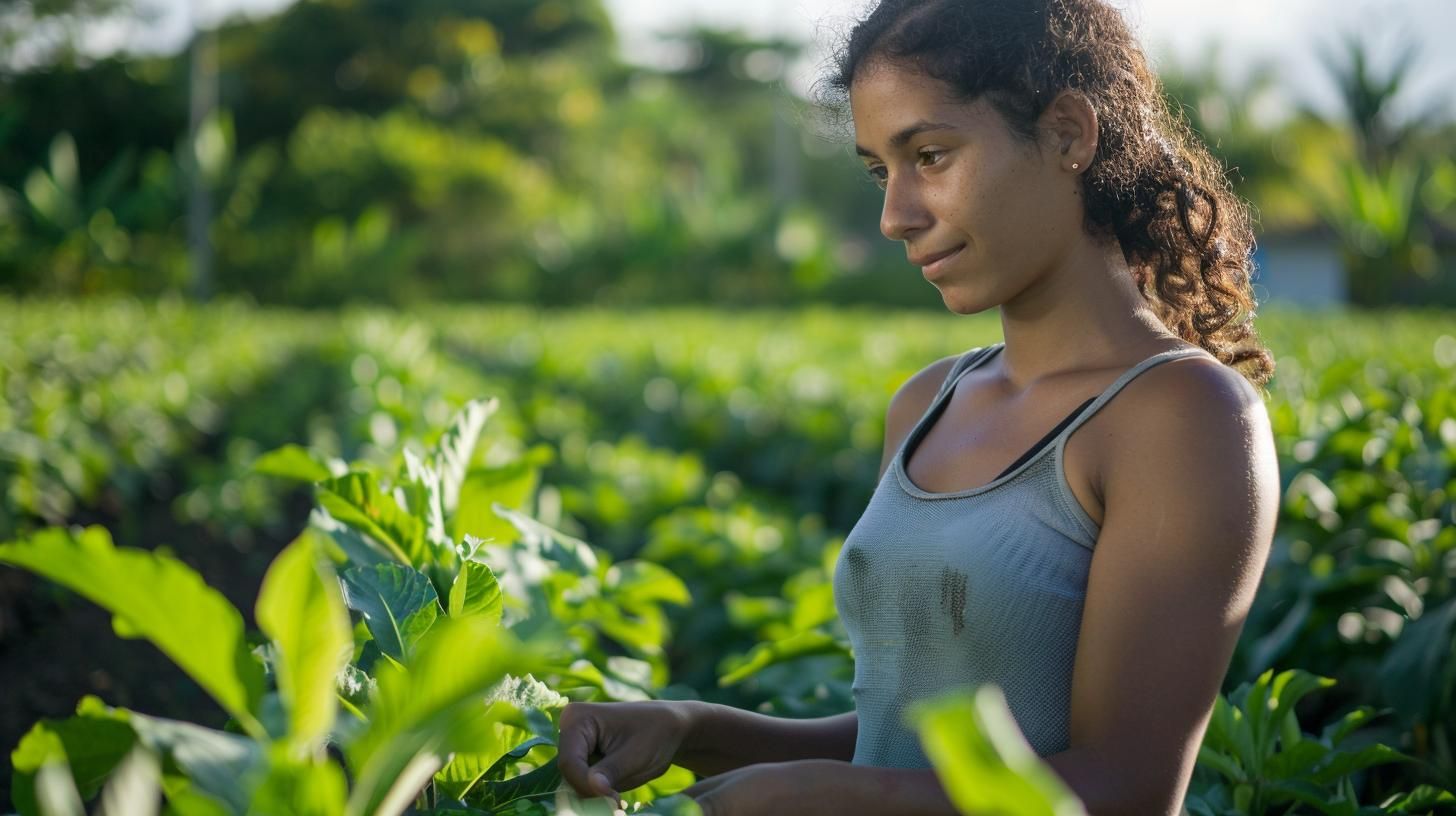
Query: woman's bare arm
point(1192, 496)
point(723, 738)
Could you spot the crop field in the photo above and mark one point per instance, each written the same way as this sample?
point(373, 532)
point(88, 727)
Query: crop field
point(274, 561)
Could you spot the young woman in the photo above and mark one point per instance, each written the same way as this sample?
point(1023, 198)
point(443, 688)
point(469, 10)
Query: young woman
point(1080, 513)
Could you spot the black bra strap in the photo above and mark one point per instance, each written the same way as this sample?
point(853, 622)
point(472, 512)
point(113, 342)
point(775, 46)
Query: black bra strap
point(1048, 438)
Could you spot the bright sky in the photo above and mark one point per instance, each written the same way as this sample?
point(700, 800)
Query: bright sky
point(1286, 32)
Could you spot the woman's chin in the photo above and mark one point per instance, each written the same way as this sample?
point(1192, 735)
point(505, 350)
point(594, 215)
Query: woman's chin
point(958, 302)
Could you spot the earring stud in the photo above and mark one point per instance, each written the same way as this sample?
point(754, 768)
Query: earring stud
point(1076, 166)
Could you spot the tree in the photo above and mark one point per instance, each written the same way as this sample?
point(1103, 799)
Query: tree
point(1374, 203)
point(1367, 96)
point(44, 32)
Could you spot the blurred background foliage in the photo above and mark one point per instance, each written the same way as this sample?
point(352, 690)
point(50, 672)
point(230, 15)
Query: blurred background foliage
point(396, 153)
point(427, 155)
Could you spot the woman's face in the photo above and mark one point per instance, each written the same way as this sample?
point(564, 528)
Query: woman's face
point(956, 178)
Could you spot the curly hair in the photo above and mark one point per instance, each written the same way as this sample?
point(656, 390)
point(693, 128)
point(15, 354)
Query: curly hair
point(1152, 183)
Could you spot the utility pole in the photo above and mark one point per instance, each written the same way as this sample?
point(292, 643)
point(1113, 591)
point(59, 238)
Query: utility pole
point(786, 151)
point(202, 101)
point(786, 185)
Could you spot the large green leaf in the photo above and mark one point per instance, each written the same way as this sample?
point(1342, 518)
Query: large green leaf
point(642, 582)
point(475, 592)
point(814, 607)
point(525, 695)
point(1419, 670)
point(465, 769)
point(1424, 798)
point(1335, 732)
point(161, 599)
point(500, 769)
point(399, 605)
point(549, 580)
point(1344, 763)
point(301, 609)
point(1255, 704)
point(539, 555)
point(1289, 688)
point(437, 706)
point(356, 500)
point(1284, 791)
point(539, 784)
point(982, 758)
point(98, 738)
point(219, 764)
point(510, 485)
point(292, 462)
point(629, 610)
point(613, 685)
point(793, 647)
point(351, 546)
point(1230, 732)
point(426, 501)
point(92, 744)
point(457, 446)
point(1294, 761)
point(1213, 759)
point(300, 787)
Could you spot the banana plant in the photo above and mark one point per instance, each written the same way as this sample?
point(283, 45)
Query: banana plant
point(1378, 215)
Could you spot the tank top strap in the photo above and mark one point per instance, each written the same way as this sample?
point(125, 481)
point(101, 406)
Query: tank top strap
point(966, 362)
point(1127, 377)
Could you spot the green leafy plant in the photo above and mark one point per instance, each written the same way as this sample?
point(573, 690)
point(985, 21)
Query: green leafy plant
point(982, 759)
point(1378, 215)
point(1256, 759)
point(429, 701)
point(732, 456)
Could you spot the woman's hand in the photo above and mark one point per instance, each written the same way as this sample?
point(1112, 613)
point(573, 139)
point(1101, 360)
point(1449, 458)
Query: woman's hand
point(806, 787)
point(606, 748)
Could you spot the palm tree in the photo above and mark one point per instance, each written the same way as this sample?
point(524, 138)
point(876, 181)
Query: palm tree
point(1373, 203)
point(1367, 96)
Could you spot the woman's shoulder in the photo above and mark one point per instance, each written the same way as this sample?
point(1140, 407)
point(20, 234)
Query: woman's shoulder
point(915, 394)
point(913, 398)
point(1191, 383)
point(1194, 410)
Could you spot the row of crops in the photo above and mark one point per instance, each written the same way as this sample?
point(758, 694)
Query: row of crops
point(488, 504)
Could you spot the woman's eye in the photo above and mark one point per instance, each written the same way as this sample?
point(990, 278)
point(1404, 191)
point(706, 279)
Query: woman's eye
point(881, 176)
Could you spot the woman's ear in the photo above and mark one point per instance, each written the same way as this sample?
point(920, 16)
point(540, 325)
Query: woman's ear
point(1072, 124)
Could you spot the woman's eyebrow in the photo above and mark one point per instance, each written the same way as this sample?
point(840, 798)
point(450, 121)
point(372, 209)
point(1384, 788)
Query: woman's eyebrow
point(903, 137)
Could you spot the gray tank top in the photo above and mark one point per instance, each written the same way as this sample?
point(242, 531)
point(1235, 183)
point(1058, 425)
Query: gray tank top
point(982, 585)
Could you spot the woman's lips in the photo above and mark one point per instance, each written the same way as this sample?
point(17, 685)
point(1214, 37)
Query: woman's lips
point(933, 269)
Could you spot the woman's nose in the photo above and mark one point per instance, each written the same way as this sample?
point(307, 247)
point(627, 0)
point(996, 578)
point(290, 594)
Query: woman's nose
point(902, 211)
